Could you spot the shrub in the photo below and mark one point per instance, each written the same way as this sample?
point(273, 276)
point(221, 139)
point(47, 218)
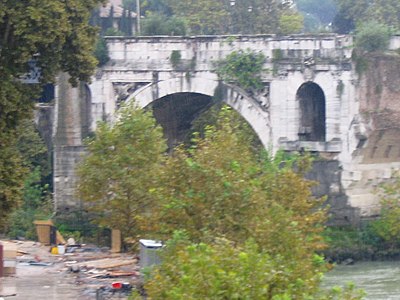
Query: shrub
point(101, 52)
point(387, 227)
point(175, 58)
point(225, 271)
point(244, 68)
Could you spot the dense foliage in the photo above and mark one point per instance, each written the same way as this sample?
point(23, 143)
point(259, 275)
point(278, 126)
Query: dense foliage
point(240, 225)
point(156, 24)
point(387, 227)
point(35, 196)
point(205, 17)
point(372, 36)
point(225, 271)
point(352, 12)
point(243, 68)
point(118, 174)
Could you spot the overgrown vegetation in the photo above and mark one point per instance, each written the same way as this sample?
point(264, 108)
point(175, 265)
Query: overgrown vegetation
point(175, 58)
point(36, 198)
point(377, 239)
point(119, 173)
point(243, 224)
point(101, 52)
point(156, 24)
point(387, 227)
point(372, 36)
point(244, 68)
point(225, 271)
point(361, 62)
point(353, 12)
point(291, 23)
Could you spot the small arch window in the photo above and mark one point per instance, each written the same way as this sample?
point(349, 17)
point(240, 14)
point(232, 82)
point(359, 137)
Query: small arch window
point(312, 112)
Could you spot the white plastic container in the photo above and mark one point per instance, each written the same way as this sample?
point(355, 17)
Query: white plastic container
point(61, 249)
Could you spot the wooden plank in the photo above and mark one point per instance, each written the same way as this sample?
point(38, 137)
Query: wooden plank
point(115, 241)
point(106, 263)
point(59, 238)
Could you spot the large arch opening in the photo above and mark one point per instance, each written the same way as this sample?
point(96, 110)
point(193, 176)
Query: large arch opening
point(182, 114)
point(207, 92)
point(312, 112)
point(176, 113)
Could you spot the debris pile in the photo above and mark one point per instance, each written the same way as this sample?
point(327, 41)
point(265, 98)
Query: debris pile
point(92, 269)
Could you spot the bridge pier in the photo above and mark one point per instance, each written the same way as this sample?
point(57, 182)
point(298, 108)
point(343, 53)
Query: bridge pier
point(71, 127)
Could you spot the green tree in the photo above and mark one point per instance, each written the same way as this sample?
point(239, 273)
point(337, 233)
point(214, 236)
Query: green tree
point(36, 205)
point(159, 7)
point(118, 175)
point(256, 16)
point(251, 226)
point(372, 36)
point(35, 196)
point(156, 24)
point(351, 12)
point(202, 16)
point(238, 196)
point(291, 23)
point(54, 35)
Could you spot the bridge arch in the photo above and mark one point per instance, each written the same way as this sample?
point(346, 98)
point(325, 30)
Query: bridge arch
point(247, 107)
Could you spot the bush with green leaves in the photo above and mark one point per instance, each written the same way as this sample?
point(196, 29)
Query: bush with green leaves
point(372, 36)
point(35, 202)
point(36, 205)
point(387, 227)
point(241, 196)
point(242, 67)
point(224, 270)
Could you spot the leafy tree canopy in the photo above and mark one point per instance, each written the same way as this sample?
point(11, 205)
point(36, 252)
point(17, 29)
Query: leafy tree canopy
point(242, 227)
point(26, 169)
point(231, 17)
point(352, 12)
point(372, 36)
point(118, 174)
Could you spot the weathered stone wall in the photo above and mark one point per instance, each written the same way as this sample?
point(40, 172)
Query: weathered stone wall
point(71, 124)
point(327, 173)
point(377, 155)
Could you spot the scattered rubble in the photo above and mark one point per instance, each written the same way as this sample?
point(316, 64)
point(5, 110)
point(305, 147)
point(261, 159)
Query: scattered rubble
point(94, 270)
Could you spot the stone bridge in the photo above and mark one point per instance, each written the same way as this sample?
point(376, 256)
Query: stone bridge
point(309, 101)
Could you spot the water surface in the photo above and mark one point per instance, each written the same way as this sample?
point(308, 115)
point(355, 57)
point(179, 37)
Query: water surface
point(380, 280)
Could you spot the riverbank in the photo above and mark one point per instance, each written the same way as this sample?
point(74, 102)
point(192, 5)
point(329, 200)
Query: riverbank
point(347, 245)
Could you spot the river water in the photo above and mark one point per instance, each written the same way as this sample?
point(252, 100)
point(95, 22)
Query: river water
point(380, 280)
